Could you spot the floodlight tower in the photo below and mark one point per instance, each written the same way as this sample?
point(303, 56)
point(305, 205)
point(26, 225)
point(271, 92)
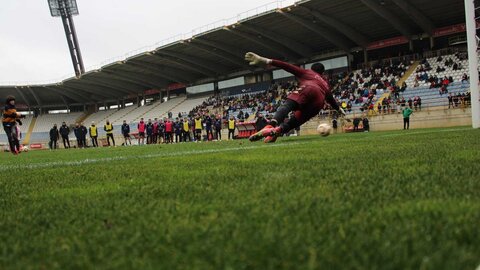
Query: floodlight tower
point(66, 9)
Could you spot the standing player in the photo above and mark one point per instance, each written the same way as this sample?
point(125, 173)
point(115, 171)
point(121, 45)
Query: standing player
point(305, 102)
point(10, 117)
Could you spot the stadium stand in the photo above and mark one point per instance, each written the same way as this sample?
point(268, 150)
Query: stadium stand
point(186, 106)
point(44, 123)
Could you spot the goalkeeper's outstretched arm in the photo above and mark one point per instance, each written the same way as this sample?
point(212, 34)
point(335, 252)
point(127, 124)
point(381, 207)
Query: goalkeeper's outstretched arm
point(257, 60)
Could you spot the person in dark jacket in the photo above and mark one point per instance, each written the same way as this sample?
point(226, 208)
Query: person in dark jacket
point(208, 127)
point(366, 124)
point(218, 129)
point(356, 122)
point(149, 131)
point(177, 127)
point(126, 133)
point(64, 131)
point(335, 125)
point(261, 122)
point(78, 135)
point(84, 132)
point(54, 136)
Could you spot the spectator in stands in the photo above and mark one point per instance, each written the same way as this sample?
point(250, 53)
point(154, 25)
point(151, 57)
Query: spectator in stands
point(54, 136)
point(186, 130)
point(83, 133)
point(64, 131)
point(108, 127)
point(464, 78)
point(446, 81)
point(10, 119)
point(419, 103)
point(168, 131)
point(450, 101)
point(415, 104)
point(366, 124)
point(416, 83)
point(78, 135)
point(149, 131)
point(170, 115)
point(455, 66)
point(93, 131)
point(406, 117)
point(261, 122)
point(456, 100)
point(126, 133)
point(410, 102)
point(443, 90)
point(440, 69)
point(231, 127)
point(141, 132)
point(198, 128)
point(404, 87)
point(177, 127)
point(218, 128)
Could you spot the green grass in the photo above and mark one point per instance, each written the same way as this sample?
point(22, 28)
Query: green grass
point(387, 200)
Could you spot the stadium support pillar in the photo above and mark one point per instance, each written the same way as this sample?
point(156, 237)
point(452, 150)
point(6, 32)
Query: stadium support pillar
point(473, 61)
point(432, 42)
point(365, 55)
point(410, 45)
point(138, 101)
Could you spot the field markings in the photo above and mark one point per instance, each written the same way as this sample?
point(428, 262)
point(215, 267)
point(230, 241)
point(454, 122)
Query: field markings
point(196, 152)
point(147, 156)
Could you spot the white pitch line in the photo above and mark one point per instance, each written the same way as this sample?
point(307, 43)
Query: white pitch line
point(121, 158)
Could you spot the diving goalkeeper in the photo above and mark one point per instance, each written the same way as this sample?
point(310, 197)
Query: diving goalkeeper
point(305, 102)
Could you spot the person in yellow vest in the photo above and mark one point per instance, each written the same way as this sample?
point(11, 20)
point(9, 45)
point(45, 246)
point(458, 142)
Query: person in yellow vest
point(93, 131)
point(186, 130)
point(109, 129)
point(231, 127)
point(198, 128)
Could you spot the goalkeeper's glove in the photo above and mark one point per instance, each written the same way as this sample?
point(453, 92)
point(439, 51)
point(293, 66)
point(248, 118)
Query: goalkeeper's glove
point(22, 116)
point(19, 122)
point(255, 59)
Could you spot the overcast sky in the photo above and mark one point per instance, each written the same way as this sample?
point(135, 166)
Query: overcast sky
point(33, 47)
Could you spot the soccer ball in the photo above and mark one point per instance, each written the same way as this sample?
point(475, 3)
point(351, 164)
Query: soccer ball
point(25, 149)
point(324, 129)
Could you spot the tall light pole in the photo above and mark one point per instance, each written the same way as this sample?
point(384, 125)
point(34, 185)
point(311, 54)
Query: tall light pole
point(472, 40)
point(66, 9)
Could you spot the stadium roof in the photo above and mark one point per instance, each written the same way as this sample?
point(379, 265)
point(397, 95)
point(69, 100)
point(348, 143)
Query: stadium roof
point(304, 31)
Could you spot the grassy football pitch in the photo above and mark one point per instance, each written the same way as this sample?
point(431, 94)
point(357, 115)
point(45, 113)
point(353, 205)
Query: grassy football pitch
point(386, 200)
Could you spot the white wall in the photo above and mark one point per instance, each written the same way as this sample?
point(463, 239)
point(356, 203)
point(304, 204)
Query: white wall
point(200, 88)
point(231, 83)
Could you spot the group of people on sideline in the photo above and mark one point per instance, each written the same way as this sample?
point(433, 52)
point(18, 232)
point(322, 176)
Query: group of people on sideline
point(199, 128)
